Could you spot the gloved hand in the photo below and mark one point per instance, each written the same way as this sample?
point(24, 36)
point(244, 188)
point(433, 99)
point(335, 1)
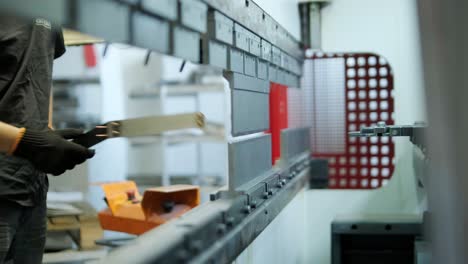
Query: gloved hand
point(68, 133)
point(51, 152)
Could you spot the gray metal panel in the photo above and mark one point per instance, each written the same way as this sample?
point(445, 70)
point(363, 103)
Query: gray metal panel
point(248, 159)
point(241, 37)
point(290, 80)
point(235, 60)
point(240, 81)
point(193, 14)
point(262, 69)
point(294, 142)
point(284, 60)
point(53, 10)
point(251, 17)
point(255, 19)
point(186, 44)
point(164, 8)
point(272, 73)
point(151, 33)
point(318, 173)
point(114, 30)
point(297, 68)
point(221, 27)
point(250, 112)
point(295, 81)
point(250, 65)
point(276, 56)
point(266, 50)
point(216, 54)
point(280, 76)
point(255, 45)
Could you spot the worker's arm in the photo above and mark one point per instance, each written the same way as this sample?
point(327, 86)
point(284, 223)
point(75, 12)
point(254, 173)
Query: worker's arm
point(48, 151)
point(8, 137)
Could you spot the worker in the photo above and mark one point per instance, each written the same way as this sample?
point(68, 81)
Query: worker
point(28, 147)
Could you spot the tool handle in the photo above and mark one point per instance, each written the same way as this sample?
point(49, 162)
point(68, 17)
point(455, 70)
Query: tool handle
point(91, 137)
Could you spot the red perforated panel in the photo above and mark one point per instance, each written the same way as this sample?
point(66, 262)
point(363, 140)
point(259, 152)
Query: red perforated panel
point(351, 91)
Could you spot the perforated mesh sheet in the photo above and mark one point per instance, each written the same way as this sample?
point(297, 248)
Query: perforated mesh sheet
point(349, 91)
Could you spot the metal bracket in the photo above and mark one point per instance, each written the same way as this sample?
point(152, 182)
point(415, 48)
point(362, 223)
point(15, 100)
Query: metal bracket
point(415, 132)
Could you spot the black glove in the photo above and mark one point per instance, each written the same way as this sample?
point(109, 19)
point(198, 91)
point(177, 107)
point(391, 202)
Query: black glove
point(68, 133)
point(50, 152)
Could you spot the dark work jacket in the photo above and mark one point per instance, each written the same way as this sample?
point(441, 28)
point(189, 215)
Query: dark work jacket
point(27, 51)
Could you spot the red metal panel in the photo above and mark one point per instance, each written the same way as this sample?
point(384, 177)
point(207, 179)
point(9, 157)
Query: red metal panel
point(278, 117)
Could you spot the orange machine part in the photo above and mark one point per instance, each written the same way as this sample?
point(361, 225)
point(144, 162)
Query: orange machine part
point(123, 224)
point(129, 213)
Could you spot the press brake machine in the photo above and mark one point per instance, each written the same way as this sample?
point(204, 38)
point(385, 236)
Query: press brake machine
point(253, 50)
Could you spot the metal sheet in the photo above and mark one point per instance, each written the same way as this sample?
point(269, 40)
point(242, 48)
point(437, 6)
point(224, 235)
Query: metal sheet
point(186, 44)
point(294, 142)
point(151, 33)
point(250, 112)
point(164, 8)
point(248, 159)
point(193, 14)
point(139, 127)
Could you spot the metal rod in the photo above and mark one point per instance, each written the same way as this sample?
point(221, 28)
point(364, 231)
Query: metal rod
point(315, 26)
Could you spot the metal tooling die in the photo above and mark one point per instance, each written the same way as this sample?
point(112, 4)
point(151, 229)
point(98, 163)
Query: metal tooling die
point(255, 34)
